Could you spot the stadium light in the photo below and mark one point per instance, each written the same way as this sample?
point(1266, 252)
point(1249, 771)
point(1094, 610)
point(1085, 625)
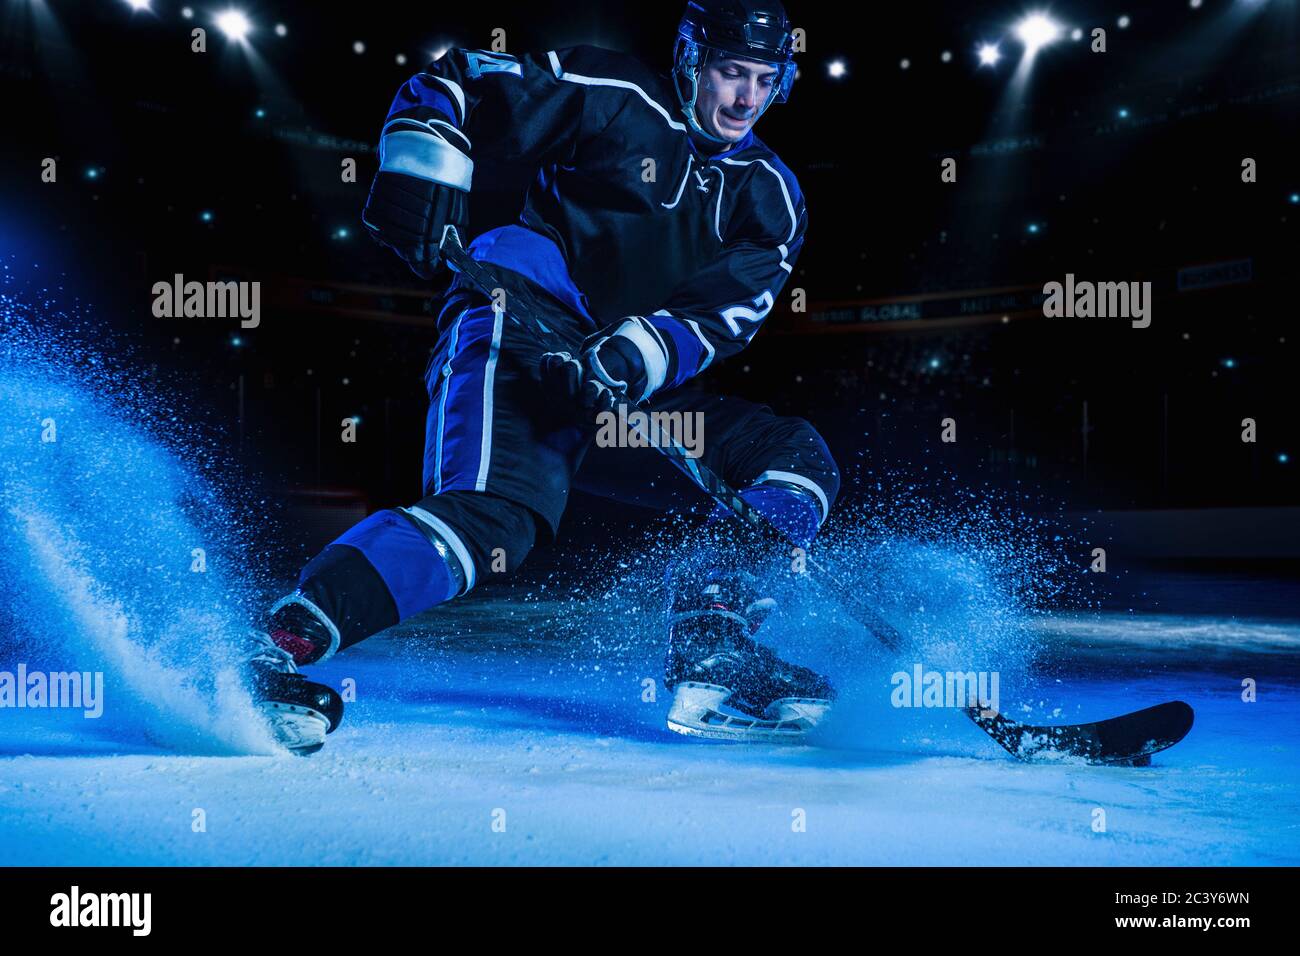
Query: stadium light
point(234, 24)
point(989, 54)
point(138, 4)
point(1036, 31)
point(837, 69)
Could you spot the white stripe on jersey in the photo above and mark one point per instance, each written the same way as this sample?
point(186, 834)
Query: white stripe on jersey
point(609, 81)
point(785, 191)
point(717, 213)
point(682, 188)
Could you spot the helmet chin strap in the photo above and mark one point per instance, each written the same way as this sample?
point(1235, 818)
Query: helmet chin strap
point(688, 109)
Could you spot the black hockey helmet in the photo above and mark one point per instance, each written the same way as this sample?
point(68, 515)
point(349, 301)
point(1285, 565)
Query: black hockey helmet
point(748, 29)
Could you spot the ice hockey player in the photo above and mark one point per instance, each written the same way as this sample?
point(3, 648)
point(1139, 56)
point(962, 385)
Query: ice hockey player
point(658, 277)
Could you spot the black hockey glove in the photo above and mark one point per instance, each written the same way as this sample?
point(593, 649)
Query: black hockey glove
point(421, 187)
point(609, 366)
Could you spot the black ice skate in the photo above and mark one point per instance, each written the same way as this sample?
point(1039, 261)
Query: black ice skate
point(299, 712)
point(726, 685)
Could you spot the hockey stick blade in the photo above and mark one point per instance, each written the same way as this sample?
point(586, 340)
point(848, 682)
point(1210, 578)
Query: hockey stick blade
point(1127, 740)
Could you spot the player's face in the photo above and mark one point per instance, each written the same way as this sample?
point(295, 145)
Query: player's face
point(731, 94)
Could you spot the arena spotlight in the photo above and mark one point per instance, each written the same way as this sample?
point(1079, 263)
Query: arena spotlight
point(234, 24)
point(837, 69)
point(1036, 31)
point(989, 54)
point(138, 4)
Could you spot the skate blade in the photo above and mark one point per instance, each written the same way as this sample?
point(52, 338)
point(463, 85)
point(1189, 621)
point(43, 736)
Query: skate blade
point(697, 712)
point(298, 729)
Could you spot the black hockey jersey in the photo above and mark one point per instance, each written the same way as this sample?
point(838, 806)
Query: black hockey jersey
point(648, 225)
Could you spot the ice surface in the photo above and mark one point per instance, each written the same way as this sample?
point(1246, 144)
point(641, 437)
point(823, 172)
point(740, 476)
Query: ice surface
point(451, 728)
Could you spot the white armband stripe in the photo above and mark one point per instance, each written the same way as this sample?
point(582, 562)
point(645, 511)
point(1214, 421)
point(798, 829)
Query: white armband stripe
point(454, 89)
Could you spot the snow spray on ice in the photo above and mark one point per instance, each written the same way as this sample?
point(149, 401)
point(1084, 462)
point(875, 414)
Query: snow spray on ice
point(115, 555)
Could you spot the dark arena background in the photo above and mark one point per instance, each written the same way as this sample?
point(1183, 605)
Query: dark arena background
point(1120, 492)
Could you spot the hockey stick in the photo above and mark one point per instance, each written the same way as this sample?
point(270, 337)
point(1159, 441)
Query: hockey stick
point(1126, 739)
